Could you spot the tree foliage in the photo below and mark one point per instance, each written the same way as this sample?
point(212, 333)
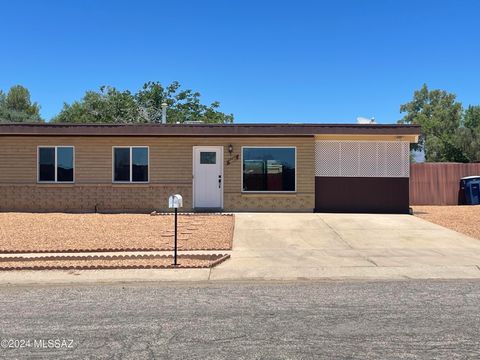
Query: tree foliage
point(105, 106)
point(439, 115)
point(448, 132)
point(109, 105)
point(16, 106)
point(467, 137)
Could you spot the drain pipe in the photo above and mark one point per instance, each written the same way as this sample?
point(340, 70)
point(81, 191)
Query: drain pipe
point(164, 113)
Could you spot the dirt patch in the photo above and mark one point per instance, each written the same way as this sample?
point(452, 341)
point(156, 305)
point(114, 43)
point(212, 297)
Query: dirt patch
point(111, 262)
point(55, 232)
point(464, 219)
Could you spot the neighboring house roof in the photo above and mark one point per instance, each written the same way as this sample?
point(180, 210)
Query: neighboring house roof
point(205, 129)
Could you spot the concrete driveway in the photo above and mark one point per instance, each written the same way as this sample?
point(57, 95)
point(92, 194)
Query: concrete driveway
point(313, 246)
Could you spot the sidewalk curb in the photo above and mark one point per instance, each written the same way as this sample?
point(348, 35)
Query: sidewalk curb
point(204, 275)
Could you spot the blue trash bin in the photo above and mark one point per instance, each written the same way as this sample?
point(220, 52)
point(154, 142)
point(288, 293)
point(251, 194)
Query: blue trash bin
point(470, 186)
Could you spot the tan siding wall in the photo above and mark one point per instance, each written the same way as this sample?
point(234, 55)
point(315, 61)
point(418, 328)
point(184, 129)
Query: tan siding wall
point(170, 171)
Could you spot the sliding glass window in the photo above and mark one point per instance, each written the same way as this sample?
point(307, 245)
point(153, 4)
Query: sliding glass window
point(269, 169)
point(130, 164)
point(56, 164)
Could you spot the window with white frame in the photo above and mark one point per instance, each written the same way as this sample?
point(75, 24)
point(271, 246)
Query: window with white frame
point(130, 164)
point(56, 164)
point(268, 169)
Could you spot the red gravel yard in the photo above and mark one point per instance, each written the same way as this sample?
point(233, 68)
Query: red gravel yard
point(57, 232)
point(464, 219)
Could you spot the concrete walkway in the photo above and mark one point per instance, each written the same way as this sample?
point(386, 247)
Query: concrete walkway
point(312, 246)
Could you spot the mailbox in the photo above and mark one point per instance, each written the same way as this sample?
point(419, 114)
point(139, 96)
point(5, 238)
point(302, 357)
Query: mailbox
point(175, 201)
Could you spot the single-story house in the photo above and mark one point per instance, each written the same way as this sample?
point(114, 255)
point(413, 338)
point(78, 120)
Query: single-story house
point(234, 167)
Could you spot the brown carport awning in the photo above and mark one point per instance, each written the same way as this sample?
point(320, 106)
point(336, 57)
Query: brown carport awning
point(204, 129)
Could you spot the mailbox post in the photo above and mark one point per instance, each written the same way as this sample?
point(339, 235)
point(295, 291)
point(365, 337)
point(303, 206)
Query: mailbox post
point(175, 202)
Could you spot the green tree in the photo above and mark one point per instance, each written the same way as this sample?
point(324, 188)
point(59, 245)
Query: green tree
point(108, 105)
point(16, 106)
point(471, 117)
point(440, 117)
point(467, 137)
point(183, 105)
point(112, 106)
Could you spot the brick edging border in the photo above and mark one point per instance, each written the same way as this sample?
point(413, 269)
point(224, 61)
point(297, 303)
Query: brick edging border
point(2, 251)
point(155, 213)
point(219, 259)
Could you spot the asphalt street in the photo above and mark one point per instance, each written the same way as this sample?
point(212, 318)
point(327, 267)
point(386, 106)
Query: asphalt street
point(285, 320)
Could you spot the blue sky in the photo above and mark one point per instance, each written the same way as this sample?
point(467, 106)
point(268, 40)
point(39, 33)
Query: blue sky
point(265, 61)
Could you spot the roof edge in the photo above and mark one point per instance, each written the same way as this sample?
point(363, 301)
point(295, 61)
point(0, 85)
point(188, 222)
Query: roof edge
point(257, 129)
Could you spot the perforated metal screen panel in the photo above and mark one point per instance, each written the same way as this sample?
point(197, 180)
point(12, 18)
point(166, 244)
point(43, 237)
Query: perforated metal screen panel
point(362, 158)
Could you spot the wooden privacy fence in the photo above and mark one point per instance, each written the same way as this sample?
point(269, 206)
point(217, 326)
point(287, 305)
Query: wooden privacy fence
point(439, 183)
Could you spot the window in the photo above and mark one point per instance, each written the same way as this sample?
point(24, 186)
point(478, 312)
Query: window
point(208, 157)
point(130, 164)
point(55, 164)
point(269, 169)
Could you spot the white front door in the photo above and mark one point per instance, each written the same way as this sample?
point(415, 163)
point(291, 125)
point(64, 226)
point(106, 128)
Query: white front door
point(208, 177)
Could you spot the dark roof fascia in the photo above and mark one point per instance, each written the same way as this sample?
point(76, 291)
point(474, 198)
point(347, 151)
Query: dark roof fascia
point(205, 129)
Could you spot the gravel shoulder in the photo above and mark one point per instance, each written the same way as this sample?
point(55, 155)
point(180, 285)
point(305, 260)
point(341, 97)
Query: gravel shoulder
point(464, 219)
point(59, 232)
